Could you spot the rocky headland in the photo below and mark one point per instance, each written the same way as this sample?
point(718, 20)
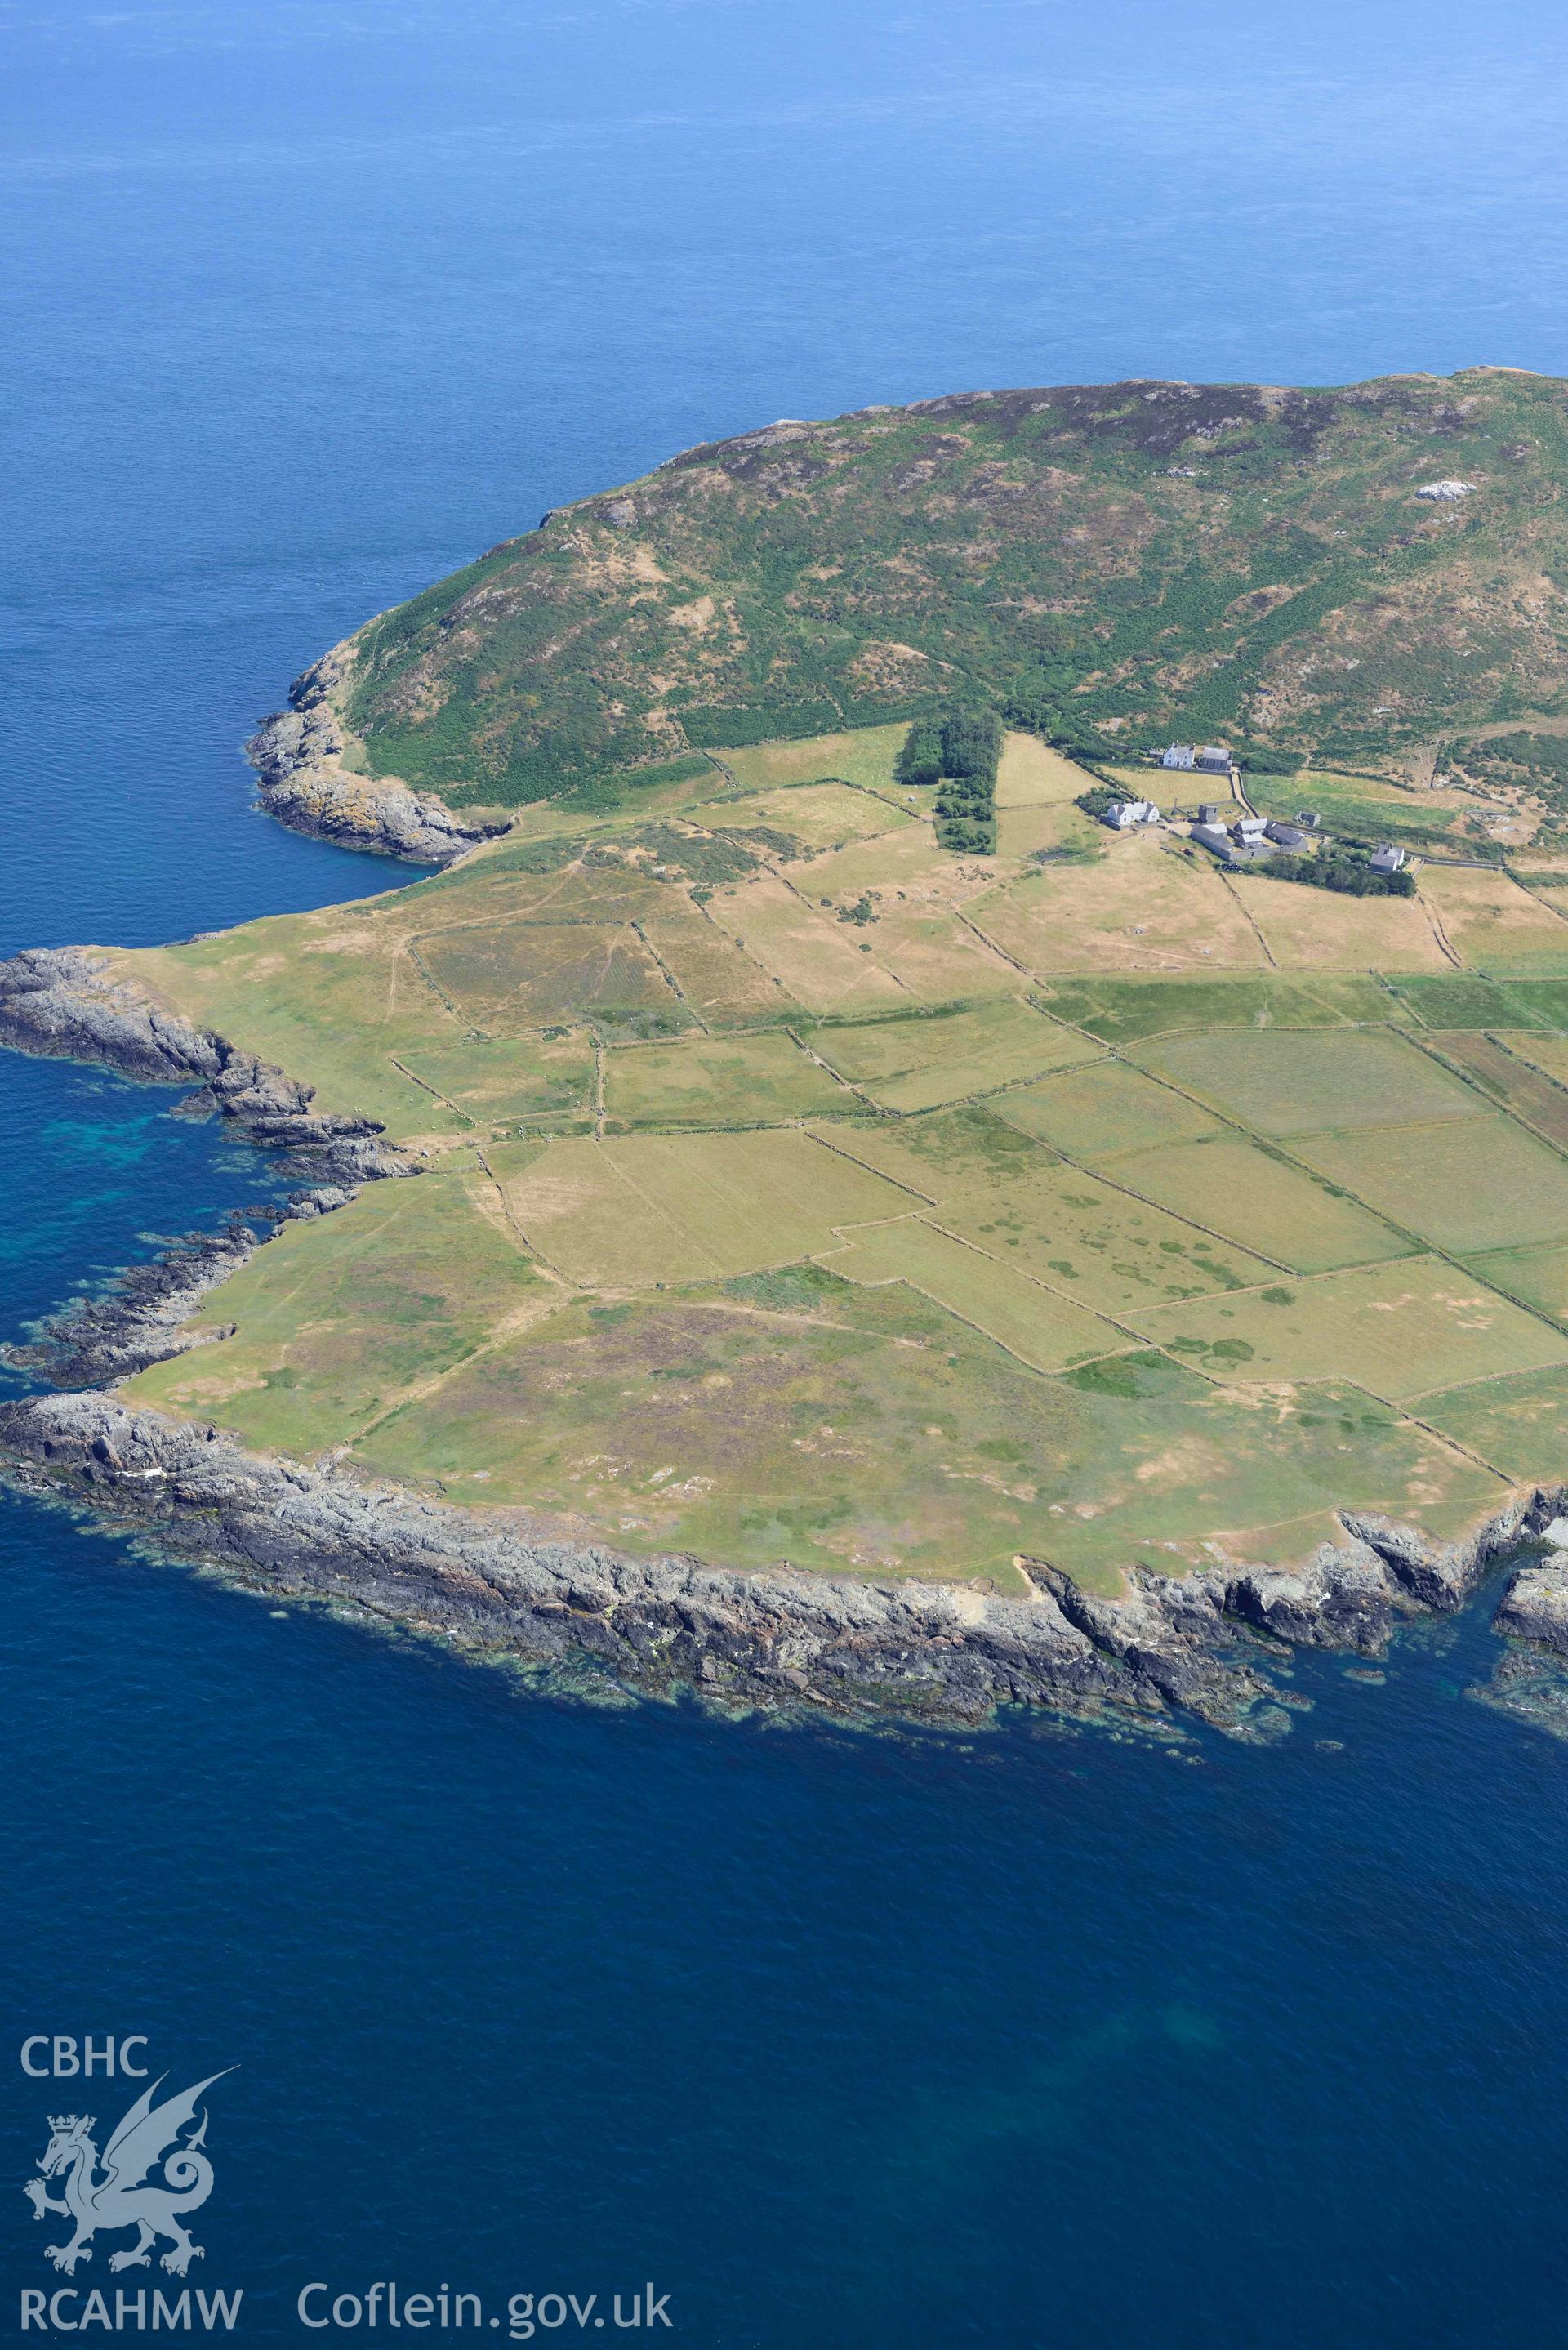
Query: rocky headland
point(1209, 1645)
point(297, 754)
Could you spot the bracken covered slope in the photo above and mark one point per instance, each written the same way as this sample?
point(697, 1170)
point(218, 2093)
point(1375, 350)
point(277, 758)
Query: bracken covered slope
point(1226, 559)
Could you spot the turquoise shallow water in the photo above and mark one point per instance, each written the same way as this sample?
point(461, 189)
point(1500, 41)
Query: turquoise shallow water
point(1019, 2041)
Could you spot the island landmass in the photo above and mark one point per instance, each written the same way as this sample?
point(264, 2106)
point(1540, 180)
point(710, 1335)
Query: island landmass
point(866, 1182)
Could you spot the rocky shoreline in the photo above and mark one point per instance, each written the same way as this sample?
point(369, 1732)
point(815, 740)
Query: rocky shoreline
point(55, 1002)
point(1210, 1647)
point(60, 1003)
point(297, 754)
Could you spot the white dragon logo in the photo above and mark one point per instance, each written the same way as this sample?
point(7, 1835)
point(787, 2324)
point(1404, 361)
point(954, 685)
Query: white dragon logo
point(123, 2198)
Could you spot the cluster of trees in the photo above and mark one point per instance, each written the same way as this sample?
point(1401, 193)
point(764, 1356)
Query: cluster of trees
point(1256, 761)
point(1351, 876)
point(966, 804)
point(1040, 709)
point(920, 760)
point(1097, 800)
point(959, 752)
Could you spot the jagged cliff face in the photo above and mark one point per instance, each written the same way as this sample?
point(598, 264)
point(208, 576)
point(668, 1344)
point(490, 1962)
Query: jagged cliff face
point(1168, 1649)
point(1352, 574)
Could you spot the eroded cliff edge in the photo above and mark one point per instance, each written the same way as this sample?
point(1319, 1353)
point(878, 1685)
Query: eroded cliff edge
point(299, 756)
point(1169, 1648)
point(1209, 1645)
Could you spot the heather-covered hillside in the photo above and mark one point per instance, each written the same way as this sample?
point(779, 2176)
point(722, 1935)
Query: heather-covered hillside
point(1122, 563)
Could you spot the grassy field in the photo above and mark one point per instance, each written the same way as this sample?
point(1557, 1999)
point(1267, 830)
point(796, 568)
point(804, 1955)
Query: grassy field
point(1539, 1276)
point(1288, 1082)
point(861, 755)
point(827, 965)
point(1031, 774)
point(717, 982)
point(1106, 1109)
point(1460, 1001)
point(1121, 1011)
point(1493, 924)
point(1384, 1326)
point(666, 1208)
point(918, 1064)
point(1533, 1096)
point(935, 960)
point(907, 863)
point(859, 1430)
point(1351, 935)
point(1055, 828)
point(761, 1081)
point(342, 1315)
point(819, 815)
point(1113, 1252)
point(1041, 1327)
point(512, 977)
point(1519, 1425)
point(797, 1190)
point(1479, 1183)
point(1141, 908)
point(1247, 1192)
point(498, 1082)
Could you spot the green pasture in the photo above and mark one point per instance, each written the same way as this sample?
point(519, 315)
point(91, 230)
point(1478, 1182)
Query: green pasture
point(1399, 1330)
point(861, 755)
point(1287, 1082)
point(872, 1434)
point(340, 1315)
point(916, 1064)
point(1518, 1425)
point(1473, 1184)
point(1504, 1078)
point(1041, 1327)
point(1125, 1011)
point(1462, 1000)
point(1105, 1109)
point(1111, 1251)
point(643, 1209)
point(1248, 1193)
point(508, 1080)
point(712, 1081)
point(1539, 1276)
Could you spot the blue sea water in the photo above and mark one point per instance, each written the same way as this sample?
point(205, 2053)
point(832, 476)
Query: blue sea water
point(1021, 2040)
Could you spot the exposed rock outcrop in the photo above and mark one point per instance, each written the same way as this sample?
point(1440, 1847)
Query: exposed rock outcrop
point(912, 1649)
point(140, 1316)
point(297, 754)
point(1444, 1576)
point(61, 1003)
point(1206, 1646)
point(1535, 1605)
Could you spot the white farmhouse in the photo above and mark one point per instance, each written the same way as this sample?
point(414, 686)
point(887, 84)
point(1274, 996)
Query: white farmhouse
point(1179, 754)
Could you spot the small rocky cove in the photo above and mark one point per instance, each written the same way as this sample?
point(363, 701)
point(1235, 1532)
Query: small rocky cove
point(1213, 1647)
point(297, 754)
